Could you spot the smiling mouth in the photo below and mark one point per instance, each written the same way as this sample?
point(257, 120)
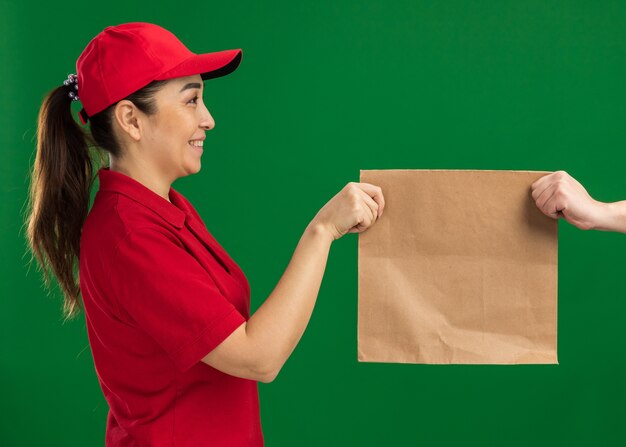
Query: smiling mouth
point(196, 143)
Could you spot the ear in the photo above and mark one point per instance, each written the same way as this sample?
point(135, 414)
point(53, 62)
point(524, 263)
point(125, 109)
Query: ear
point(127, 116)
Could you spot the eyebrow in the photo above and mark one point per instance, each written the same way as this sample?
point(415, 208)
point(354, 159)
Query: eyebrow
point(191, 85)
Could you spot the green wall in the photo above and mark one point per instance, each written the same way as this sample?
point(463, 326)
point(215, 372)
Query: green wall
point(327, 88)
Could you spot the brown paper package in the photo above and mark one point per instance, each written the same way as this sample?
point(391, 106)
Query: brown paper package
point(461, 268)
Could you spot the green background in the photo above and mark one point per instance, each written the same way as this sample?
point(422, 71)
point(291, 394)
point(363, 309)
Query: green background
point(327, 88)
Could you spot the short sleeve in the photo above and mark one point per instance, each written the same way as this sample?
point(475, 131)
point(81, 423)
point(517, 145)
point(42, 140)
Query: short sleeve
point(170, 296)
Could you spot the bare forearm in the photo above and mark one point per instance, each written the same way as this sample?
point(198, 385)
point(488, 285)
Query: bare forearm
point(277, 326)
point(613, 217)
point(260, 346)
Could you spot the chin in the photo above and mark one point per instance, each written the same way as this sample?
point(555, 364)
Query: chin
point(194, 169)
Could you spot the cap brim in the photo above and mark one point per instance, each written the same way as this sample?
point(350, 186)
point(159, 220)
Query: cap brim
point(208, 65)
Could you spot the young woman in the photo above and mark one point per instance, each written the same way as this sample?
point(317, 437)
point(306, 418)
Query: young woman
point(560, 195)
point(176, 352)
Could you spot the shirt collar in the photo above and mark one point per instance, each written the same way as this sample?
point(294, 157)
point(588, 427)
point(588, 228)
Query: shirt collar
point(128, 186)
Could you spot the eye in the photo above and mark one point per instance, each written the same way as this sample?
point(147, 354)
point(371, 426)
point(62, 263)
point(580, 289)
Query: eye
point(195, 98)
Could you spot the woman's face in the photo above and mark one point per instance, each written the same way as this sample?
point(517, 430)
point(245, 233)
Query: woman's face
point(180, 122)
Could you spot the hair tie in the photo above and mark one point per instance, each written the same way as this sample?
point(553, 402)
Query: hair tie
point(72, 83)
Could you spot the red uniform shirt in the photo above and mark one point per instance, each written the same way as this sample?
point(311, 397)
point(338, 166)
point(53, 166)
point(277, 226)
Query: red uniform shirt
point(160, 293)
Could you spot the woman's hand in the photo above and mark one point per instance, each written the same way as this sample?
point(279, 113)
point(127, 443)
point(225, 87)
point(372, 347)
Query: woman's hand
point(560, 195)
point(352, 210)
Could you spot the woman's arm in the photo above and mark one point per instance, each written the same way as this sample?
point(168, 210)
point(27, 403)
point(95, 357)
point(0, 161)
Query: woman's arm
point(259, 348)
point(560, 195)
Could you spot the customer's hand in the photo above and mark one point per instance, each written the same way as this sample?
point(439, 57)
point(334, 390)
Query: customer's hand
point(560, 195)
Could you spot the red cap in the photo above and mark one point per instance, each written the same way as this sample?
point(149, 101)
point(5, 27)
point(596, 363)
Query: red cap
point(124, 58)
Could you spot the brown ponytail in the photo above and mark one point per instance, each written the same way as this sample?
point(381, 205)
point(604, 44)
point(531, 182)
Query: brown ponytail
point(61, 180)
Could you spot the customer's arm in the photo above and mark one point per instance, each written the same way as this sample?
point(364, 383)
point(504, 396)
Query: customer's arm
point(560, 195)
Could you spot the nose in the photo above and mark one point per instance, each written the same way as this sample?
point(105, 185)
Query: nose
point(207, 122)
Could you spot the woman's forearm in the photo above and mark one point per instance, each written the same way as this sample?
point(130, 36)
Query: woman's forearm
point(278, 324)
point(260, 346)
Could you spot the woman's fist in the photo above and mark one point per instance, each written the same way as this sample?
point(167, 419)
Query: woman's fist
point(352, 210)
